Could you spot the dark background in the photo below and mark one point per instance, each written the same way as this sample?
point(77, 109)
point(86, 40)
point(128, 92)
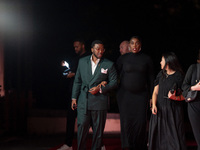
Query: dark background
point(41, 34)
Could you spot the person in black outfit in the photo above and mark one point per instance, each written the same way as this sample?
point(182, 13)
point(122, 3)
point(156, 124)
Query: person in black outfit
point(135, 89)
point(79, 47)
point(166, 126)
point(192, 83)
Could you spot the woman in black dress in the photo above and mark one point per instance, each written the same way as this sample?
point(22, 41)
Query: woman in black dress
point(135, 89)
point(166, 126)
point(191, 83)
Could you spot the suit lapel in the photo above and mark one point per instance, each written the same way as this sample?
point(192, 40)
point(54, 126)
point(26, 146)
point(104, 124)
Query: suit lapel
point(88, 69)
point(97, 69)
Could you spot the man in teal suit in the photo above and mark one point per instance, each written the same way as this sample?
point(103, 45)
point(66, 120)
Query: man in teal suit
point(95, 77)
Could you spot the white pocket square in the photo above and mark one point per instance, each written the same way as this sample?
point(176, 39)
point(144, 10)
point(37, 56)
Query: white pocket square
point(104, 71)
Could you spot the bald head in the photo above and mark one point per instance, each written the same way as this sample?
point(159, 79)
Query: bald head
point(123, 47)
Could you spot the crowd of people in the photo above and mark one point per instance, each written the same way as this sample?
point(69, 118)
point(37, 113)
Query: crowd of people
point(138, 89)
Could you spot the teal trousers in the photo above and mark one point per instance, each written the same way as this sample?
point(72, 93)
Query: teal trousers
point(96, 119)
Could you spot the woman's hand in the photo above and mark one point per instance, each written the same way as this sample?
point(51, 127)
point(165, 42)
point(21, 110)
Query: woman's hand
point(196, 87)
point(94, 90)
point(103, 83)
point(154, 110)
point(172, 96)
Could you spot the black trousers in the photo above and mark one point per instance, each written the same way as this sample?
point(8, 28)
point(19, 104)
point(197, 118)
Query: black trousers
point(194, 117)
point(71, 118)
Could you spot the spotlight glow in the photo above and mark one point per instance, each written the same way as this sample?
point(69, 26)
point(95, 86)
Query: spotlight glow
point(14, 20)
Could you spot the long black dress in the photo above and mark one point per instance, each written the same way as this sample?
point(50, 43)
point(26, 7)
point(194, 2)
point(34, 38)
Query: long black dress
point(136, 86)
point(166, 128)
point(194, 106)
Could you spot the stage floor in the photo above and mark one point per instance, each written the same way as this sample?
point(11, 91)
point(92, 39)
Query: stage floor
point(52, 142)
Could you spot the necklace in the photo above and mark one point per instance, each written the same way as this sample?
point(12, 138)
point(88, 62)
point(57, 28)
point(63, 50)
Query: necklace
point(170, 73)
point(167, 75)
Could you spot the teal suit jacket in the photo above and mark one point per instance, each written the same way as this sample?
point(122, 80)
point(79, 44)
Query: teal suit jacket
point(84, 80)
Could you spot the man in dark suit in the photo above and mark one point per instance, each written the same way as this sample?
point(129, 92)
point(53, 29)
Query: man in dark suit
point(95, 77)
